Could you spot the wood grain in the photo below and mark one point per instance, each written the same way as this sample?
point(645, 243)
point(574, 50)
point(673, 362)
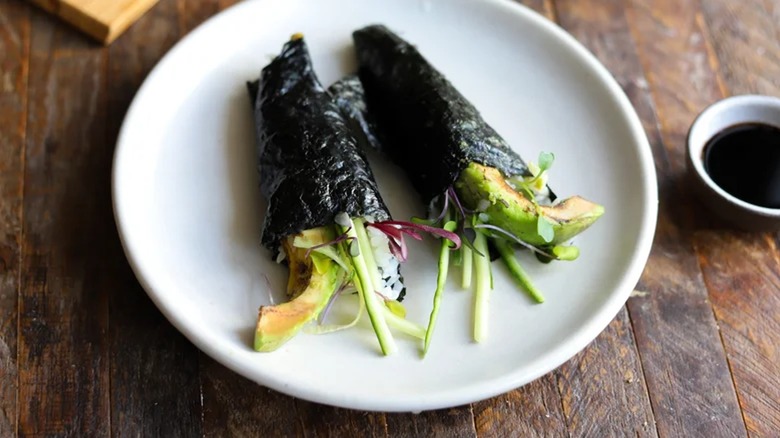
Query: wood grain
point(743, 275)
point(741, 269)
point(234, 406)
point(444, 423)
point(322, 421)
point(63, 348)
point(195, 12)
point(603, 387)
point(155, 385)
point(744, 37)
point(14, 57)
point(535, 410)
point(676, 332)
point(103, 20)
point(325, 421)
point(773, 9)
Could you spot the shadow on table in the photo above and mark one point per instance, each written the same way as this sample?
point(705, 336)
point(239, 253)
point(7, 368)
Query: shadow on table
point(685, 208)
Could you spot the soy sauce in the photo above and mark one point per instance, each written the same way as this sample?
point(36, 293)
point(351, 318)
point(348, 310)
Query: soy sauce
point(744, 160)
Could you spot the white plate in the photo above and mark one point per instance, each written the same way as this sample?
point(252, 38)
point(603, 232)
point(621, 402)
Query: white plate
point(189, 210)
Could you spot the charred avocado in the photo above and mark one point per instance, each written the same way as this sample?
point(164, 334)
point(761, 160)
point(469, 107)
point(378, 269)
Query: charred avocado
point(514, 212)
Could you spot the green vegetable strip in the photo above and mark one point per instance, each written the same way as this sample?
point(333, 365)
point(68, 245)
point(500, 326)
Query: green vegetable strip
point(329, 251)
point(404, 325)
point(468, 257)
point(368, 254)
point(490, 271)
point(482, 295)
point(330, 328)
point(441, 279)
point(517, 271)
point(457, 258)
point(367, 289)
point(332, 254)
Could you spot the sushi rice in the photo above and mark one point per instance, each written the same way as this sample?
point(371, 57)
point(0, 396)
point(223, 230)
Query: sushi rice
point(388, 264)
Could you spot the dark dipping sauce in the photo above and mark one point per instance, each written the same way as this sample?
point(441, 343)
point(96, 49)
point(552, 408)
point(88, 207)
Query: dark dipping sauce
point(744, 160)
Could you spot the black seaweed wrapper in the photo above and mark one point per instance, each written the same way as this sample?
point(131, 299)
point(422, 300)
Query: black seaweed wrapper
point(310, 165)
point(417, 117)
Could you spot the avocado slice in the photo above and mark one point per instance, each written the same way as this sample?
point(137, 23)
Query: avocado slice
point(311, 283)
point(512, 211)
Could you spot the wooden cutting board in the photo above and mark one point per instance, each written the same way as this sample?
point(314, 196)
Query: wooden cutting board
point(102, 19)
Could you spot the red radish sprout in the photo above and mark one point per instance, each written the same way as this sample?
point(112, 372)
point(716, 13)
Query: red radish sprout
point(412, 229)
point(395, 231)
point(463, 210)
point(444, 209)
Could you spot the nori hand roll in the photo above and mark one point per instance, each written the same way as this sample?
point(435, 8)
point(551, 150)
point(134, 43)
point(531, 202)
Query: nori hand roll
point(311, 167)
point(458, 163)
point(325, 214)
point(425, 114)
point(444, 145)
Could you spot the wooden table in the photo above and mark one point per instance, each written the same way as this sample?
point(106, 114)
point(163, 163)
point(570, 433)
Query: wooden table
point(696, 351)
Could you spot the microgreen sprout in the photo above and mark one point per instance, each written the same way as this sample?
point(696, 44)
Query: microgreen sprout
point(545, 161)
point(534, 183)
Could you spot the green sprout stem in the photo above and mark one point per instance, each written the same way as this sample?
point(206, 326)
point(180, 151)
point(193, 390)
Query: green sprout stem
point(367, 275)
point(517, 271)
point(484, 280)
point(441, 279)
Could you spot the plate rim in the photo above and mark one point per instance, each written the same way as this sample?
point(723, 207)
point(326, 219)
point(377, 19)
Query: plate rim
point(593, 325)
